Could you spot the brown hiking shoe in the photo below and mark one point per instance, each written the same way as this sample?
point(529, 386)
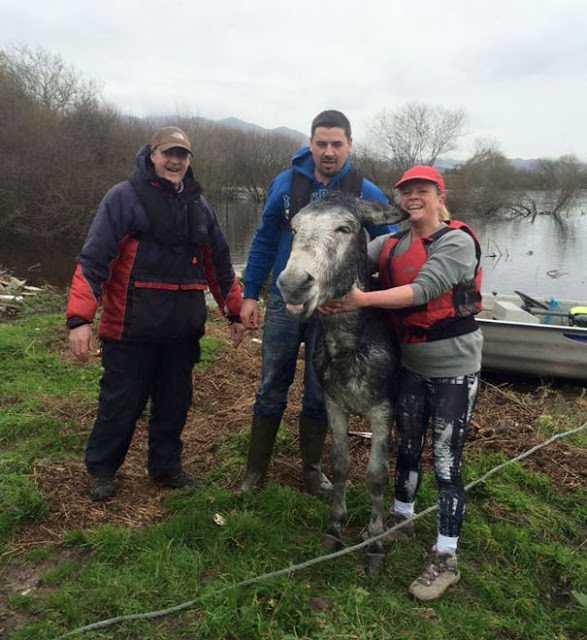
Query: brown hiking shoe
point(439, 575)
point(407, 531)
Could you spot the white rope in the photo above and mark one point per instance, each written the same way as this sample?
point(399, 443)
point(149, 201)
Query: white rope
point(330, 556)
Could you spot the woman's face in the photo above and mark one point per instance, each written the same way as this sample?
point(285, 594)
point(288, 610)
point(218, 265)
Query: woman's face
point(422, 201)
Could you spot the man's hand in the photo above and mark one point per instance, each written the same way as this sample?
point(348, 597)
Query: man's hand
point(80, 340)
point(237, 331)
point(250, 314)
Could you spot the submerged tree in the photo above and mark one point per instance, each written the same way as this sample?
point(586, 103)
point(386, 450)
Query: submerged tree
point(482, 184)
point(561, 180)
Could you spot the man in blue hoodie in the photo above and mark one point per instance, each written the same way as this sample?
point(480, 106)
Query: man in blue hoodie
point(315, 171)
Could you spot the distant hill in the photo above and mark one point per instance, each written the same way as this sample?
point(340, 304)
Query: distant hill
point(446, 163)
point(518, 163)
point(527, 165)
point(233, 123)
point(236, 123)
point(443, 164)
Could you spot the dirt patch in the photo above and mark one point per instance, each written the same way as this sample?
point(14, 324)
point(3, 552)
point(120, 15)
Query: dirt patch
point(24, 578)
point(223, 397)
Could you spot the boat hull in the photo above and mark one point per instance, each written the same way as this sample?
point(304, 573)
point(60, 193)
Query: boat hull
point(535, 341)
point(535, 349)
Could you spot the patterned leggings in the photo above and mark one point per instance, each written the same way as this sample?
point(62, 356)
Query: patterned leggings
point(448, 404)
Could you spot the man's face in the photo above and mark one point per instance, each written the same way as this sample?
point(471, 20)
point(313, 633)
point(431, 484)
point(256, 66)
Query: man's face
point(171, 164)
point(330, 148)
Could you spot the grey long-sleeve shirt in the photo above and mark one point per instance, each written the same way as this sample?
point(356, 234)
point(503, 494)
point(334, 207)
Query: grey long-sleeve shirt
point(451, 259)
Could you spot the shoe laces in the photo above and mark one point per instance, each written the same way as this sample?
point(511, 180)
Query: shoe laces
point(438, 565)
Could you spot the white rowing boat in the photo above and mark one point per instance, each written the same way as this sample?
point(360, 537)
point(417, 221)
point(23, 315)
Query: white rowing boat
point(534, 337)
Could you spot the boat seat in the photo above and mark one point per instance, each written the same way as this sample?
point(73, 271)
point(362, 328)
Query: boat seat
point(578, 316)
point(510, 312)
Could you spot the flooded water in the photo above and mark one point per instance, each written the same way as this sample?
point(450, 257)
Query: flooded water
point(543, 259)
point(540, 259)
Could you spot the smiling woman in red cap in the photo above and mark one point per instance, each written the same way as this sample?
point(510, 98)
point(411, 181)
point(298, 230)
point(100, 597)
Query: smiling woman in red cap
point(431, 283)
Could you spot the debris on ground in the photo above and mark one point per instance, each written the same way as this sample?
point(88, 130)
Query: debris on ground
point(13, 293)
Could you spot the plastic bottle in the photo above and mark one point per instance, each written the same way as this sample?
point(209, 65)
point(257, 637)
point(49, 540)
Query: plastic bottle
point(553, 305)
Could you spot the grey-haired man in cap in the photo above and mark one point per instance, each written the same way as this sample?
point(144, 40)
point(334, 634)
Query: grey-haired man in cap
point(153, 249)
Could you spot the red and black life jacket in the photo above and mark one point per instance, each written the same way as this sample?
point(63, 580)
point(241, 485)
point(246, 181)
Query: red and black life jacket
point(450, 314)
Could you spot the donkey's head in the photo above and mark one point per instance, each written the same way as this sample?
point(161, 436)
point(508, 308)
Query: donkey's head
point(328, 254)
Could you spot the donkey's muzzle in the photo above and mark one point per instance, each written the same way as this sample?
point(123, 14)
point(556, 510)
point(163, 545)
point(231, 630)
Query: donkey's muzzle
point(295, 287)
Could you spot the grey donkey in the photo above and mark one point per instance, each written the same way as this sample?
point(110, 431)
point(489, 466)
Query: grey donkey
point(356, 359)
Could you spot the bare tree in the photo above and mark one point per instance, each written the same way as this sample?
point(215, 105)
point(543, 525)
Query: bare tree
point(417, 133)
point(374, 167)
point(483, 184)
point(47, 79)
point(255, 159)
point(72, 145)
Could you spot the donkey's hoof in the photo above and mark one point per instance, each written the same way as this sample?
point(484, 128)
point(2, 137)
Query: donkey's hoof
point(331, 542)
point(374, 564)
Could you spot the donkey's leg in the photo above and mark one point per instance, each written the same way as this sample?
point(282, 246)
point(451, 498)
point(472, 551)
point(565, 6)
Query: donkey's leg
point(377, 473)
point(338, 424)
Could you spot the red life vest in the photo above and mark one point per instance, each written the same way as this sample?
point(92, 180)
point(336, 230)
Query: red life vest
point(450, 314)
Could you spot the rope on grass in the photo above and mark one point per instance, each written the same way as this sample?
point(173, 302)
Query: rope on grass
point(149, 615)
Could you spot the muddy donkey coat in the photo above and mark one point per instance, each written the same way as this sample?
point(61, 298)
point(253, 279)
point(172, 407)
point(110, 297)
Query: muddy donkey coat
point(355, 358)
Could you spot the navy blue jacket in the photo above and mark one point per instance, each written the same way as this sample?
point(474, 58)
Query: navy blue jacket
point(150, 290)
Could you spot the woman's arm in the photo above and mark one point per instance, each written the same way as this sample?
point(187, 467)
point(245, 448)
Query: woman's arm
point(396, 298)
point(452, 259)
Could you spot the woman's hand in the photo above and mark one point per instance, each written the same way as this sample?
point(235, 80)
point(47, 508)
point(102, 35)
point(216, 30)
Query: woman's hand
point(394, 298)
point(354, 299)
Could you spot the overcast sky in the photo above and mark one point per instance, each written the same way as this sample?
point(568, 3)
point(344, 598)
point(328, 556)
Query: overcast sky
point(517, 67)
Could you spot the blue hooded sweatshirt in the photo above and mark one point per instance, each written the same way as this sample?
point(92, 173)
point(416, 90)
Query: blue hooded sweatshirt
point(271, 244)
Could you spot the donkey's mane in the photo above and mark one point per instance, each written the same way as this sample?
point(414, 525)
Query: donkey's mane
point(337, 198)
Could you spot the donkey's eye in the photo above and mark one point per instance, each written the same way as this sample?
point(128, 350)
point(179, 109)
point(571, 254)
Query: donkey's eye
point(343, 229)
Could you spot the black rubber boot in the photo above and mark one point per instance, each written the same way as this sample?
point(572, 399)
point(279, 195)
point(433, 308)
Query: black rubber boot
point(263, 432)
point(102, 488)
point(179, 480)
point(312, 436)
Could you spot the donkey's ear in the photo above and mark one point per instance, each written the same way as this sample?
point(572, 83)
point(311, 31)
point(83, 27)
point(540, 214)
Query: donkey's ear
point(376, 213)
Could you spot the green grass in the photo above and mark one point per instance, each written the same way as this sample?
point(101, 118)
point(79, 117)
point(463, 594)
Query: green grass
point(516, 584)
point(42, 394)
point(520, 558)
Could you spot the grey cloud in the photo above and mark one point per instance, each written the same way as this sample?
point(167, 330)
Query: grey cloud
point(279, 64)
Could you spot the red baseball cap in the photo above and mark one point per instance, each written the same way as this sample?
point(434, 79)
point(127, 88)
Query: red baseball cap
point(422, 172)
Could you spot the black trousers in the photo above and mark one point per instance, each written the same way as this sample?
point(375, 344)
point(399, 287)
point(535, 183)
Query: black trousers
point(446, 404)
point(133, 374)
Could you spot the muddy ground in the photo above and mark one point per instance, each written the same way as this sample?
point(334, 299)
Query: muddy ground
point(223, 396)
point(503, 422)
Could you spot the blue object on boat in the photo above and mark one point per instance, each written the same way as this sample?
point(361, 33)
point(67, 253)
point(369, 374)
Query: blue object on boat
point(553, 305)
